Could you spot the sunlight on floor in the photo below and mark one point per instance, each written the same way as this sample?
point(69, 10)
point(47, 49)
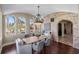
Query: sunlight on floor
point(67, 39)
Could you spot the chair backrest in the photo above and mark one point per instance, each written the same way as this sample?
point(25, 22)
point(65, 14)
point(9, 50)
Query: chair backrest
point(47, 42)
point(26, 49)
point(41, 45)
point(19, 43)
point(38, 46)
point(27, 35)
point(23, 49)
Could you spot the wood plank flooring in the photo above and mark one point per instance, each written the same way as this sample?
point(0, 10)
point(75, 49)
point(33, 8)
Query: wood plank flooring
point(54, 48)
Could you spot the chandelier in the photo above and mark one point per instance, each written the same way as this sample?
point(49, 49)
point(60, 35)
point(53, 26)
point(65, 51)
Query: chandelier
point(38, 17)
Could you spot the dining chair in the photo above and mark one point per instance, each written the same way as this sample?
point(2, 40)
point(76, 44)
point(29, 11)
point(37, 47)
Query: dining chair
point(38, 46)
point(23, 49)
point(19, 43)
point(47, 41)
point(26, 49)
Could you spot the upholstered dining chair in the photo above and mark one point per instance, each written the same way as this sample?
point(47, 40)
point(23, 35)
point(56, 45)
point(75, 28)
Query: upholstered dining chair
point(47, 41)
point(26, 49)
point(19, 43)
point(23, 49)
point(38, 46)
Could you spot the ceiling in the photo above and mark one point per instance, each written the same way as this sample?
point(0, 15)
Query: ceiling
point(45, 9)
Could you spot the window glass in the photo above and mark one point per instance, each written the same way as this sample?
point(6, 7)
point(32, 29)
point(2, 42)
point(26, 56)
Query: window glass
point(21, 24)
point(10, 24)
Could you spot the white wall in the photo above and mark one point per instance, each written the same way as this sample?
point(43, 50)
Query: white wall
point(9, 38)
point(72, 17)
point(0, 31)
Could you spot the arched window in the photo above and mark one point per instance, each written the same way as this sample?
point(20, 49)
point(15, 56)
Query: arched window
point(21, 24)
point(32, 26)
point(31, 21)
point(10, 24)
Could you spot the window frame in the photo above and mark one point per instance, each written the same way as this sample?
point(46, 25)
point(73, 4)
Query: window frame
point(19, 23)
point(7, 25)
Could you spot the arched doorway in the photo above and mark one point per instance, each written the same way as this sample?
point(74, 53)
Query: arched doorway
point(65, 32)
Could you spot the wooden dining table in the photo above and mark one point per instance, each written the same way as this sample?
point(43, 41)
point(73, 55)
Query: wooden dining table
point(34, 39)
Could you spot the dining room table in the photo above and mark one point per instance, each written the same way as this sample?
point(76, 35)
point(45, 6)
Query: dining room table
point(34, 39)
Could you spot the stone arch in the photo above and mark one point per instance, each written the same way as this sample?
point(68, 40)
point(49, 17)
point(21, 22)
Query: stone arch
point(65, 32)
point(66, 17)
point(66, 23)
point(71, 19)
point(59, 16)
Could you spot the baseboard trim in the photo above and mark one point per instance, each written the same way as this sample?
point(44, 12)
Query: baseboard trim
point(8, 44)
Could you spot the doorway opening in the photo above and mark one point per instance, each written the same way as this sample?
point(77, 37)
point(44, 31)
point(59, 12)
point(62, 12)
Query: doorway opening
point(65, 32)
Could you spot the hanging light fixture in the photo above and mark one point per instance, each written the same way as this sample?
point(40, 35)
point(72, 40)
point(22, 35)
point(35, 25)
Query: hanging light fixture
point(38, 17)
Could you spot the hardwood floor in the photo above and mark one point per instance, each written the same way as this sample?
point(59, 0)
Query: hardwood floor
point(59, 48)
point(54, 48)
point(66, 39)
point(10, 49)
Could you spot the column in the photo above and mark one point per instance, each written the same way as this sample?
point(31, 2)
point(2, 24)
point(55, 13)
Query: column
point(0, 31)
point(62, 29)
point(16, 25)
point(27, 28)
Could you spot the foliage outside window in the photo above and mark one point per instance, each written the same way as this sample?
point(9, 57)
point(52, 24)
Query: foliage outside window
point(21, 24)
point(11, 24)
